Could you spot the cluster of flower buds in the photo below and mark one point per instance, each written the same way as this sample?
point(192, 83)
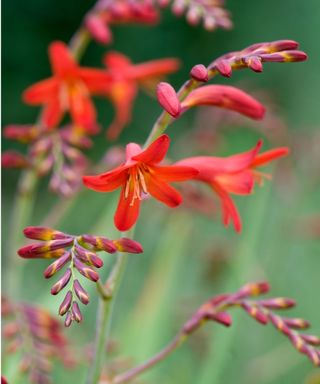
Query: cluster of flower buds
point(79, 254)
point(59, 151)
point(260, 310)
point(226, 96)
point(107, 13)
point(211, 12)
point(34, 332)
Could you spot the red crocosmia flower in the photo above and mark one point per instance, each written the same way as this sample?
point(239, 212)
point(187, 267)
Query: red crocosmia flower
point(227, 97)
point(126, 77)
point(233, 175)
point(68, 89)
point(139, 175)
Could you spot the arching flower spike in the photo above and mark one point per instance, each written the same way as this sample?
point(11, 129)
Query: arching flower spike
point(141, 174)
point(233, 175)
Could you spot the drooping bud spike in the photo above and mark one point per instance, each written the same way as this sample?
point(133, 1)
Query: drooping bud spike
point(87, 272)
point(200, 73)
point(62, 282)
point(76, 313)
point(128, 245)
point(88, 256)
point(44, 233)
point(65, 305)
point(57, 265)
point(168, 99)
point(68, 319)
point(81, 293)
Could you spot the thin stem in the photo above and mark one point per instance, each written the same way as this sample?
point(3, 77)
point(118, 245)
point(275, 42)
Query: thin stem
point(105, 307)
point(132, 373)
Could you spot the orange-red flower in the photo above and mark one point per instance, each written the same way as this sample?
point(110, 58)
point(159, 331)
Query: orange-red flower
point(125, 79)
point(141, 174)
point(68, 89)
point(235, 174)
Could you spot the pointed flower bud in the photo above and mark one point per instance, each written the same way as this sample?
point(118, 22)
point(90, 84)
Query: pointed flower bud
point(76, 313)
point(200, 73)
point(88, 257)
point(225, 97)
point(99, 243)
point(68, 319)
point(42, 249)
point(311, 339)
point(254, 63)
point(44, 233)
point(62, 282)
point(168, 99)
point(255, 312)
point(296, 323)
point(98, 29)
point(13, 159)
point(128, 245)
point(85, 271)
point(22, 133)
point(223, 318)
point(255, 289)
point(81, 293)
point(278, 303)
point(66, 304)
point(223, 67)
point(57, 265)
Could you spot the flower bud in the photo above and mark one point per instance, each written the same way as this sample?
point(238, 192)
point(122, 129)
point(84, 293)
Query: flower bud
point(311, 339)
point(81, 293)
point(255, 313)
point(254, 289)
point(200, 73)
point(88, 257)
point(76, 313)
point(22, 133)
point(98, 29)
point(62, 282)
point(13, 159)
point(99, 243)
point(57, 265)
point(223, 318)
point(254, 63)
point(296, 323)
point(168, 99)
point(85, 271)
point(68, 319)
point(128, 245)
point(65, 305)
point(44, 233)
point(42, 249)
point(278, 303)
point(223, 67)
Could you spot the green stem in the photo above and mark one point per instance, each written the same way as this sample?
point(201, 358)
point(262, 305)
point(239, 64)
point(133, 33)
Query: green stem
point(105, 308)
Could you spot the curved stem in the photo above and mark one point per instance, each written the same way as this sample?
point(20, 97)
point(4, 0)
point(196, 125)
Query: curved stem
point(132, 373)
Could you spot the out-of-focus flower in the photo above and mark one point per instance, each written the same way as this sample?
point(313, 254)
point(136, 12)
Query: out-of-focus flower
point(115, 12)
point(14, 159)
point(140, 175)
point(80, 253)
point(252, 57)
point(69, 89)
point(261, 311)
point(38, 337)
point(126, 77)
point(235, 174)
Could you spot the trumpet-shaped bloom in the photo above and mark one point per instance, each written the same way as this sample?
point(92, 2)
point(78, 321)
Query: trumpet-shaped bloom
point(141, 174)
point(235, 174)
point(125, 79)
point(68, 89)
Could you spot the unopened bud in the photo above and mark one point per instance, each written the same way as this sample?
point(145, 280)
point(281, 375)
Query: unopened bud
point(223, 67)
point(61, 283)
point(76, 313)
point(278, 303)
point(128, 245)
point(44, 233)
point(85, 271)
point(297, 323)
point(168, 99)
point(65, 305)
point(57, 265)
point(68, 319)
point(13, 159)
point(311, 339)
point(254, 63)
point(81, 293)
point(98, 29)
point(200, 73)
point(223, 318)
point(255, 313)
point(88, 257)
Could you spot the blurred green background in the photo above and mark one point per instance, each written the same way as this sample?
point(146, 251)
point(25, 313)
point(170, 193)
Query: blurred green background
point(188, 257)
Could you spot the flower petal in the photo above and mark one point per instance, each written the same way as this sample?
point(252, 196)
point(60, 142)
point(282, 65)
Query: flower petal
point(116, 60)
point(97, 81)
point(174, 172)
point(62, 62)
point(82, 109)
point(41, 92)
point(126, 213)
point(155, 152)
point(240, 183)
point(265, 157)
point(163, 192)
point(153, 68)
point(229, 209)
point(105, 182)
point(52, 113)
